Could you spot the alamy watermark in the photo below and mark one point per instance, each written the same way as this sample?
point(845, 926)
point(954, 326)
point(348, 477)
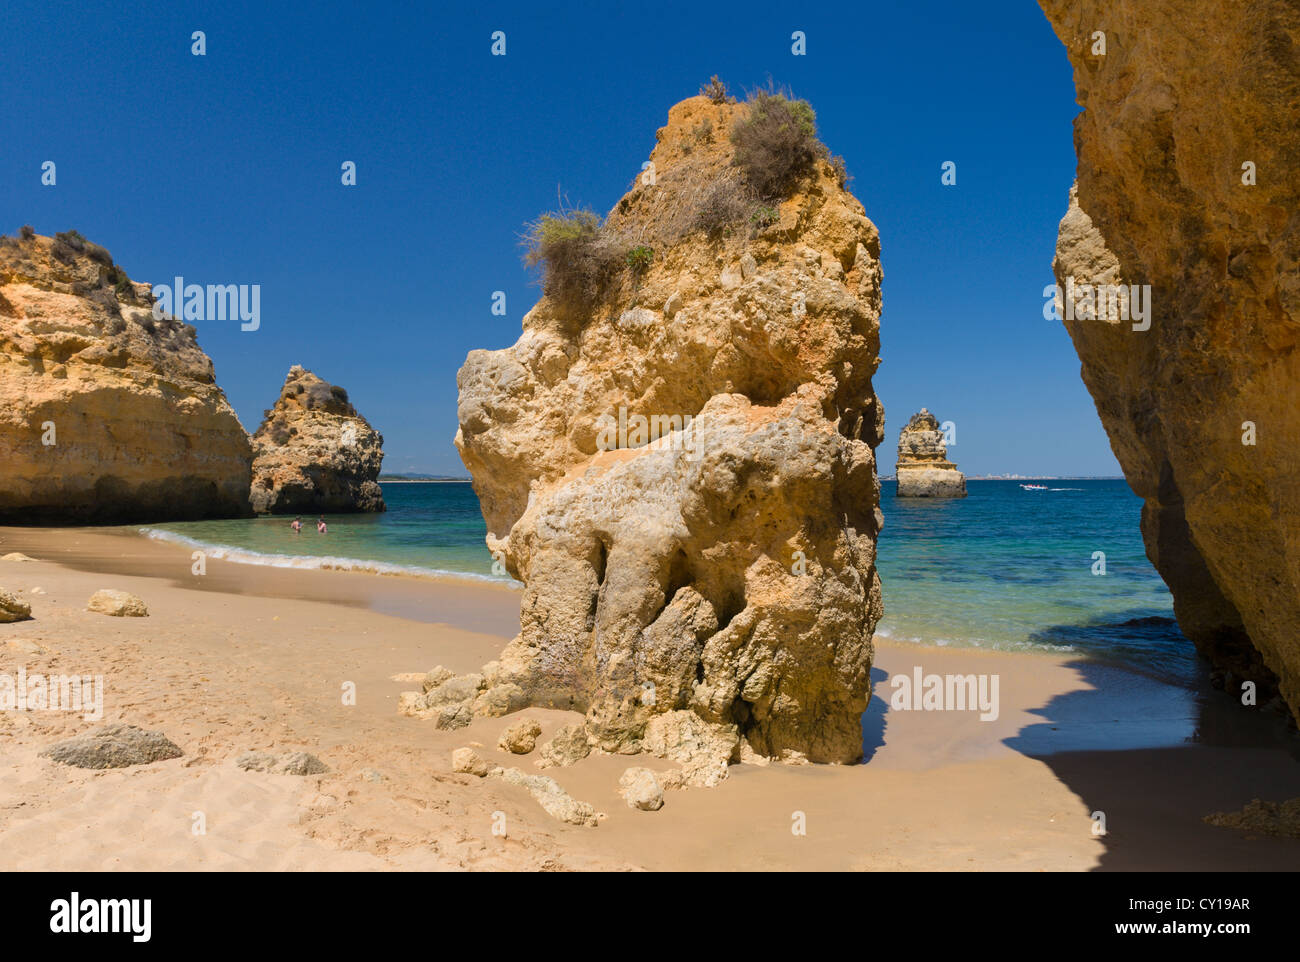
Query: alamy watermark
point(213, 302)
point(638, 430)
point(921, 692)
point(1099, 302)
point(37, 692)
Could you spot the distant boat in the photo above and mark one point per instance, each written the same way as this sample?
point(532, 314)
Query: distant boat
point(1034, 487)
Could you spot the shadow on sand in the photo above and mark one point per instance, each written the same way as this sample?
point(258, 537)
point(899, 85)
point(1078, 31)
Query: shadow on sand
point(1157, 757)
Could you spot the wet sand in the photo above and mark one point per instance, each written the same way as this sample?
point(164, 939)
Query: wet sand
point(255, 658)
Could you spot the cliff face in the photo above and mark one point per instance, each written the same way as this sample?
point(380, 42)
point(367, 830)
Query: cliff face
point(924, 470)
point(1202, 407)
point(314, 453)
point(681, 473)
point(106, 415)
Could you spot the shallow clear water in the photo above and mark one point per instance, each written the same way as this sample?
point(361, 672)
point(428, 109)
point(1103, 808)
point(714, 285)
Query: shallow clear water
point(1012, 569)
point(433, 528)
point(1004, 568)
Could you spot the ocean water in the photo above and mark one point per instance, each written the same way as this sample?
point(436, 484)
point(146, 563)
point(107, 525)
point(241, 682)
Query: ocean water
point(1012, 569)
point(1003, 568)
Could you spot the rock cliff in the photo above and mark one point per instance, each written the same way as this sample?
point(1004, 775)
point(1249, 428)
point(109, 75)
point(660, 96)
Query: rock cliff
point(314, 453)
point(106, 415)
point(1188, 196)
point(924, 470)
point(676, 458)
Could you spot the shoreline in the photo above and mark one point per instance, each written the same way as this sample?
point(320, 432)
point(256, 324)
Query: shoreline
point(251, 658)
point(250, 556)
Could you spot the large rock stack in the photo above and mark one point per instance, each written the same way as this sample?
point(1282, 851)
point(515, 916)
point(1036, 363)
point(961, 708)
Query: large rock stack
point(680, 470)
point(314, 453)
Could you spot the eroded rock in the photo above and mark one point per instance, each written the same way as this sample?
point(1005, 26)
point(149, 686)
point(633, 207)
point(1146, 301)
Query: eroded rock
point(13, 608)
point(568, 746)
point(555, 800)
point(726, 566)
point(521, 737)
point(295, 763)
point(106, 413)
point(469, 762)
point(1183, 303)
point(641, 790)
point(119, 604)
point(113, 746)
point(314, 453)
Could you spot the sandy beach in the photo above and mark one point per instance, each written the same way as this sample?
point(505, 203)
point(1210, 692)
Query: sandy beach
point(249, 658)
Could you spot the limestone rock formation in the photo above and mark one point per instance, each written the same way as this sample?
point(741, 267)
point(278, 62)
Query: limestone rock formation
point(314, 453)
point(106, 415)
point(924, 470)
point(521, 737)
point(1189, 182)
point(680, 470)
point(555, 800)
point(119, 604)
point(469, 762)
point(13, 608)
point(641, 790)
point(567, 746)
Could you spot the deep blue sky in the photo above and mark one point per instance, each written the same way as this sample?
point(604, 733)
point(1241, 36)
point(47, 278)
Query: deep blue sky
point(226, 169)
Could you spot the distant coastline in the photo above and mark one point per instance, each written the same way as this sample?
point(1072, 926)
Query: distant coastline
point(1027, 477)
point(420, 479)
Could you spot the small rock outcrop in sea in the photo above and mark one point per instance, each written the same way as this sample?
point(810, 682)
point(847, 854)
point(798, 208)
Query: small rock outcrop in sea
point(676, 456)
point(924, 470)
point(314, 453)
point(113, 746)
point(1179, 266)
point(106, 414)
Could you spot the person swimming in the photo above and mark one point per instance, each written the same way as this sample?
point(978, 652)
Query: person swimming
point(297, 525)
point(320, 524)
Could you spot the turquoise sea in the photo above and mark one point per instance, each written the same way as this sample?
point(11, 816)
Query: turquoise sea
point(1005, 568)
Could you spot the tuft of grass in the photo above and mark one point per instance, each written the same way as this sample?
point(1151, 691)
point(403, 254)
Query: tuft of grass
point(763, 217)
point(842, 175)
point(640, 258)
point(120, 282)
point(27, 232)
point(578, 258)
point(62, 252)
point(70, 242)
point(716, 91)
point(776, 143)
point(723, 201)
point(71, 239)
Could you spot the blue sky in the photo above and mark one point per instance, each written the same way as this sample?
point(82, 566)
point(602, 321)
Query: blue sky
point(226, 169)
